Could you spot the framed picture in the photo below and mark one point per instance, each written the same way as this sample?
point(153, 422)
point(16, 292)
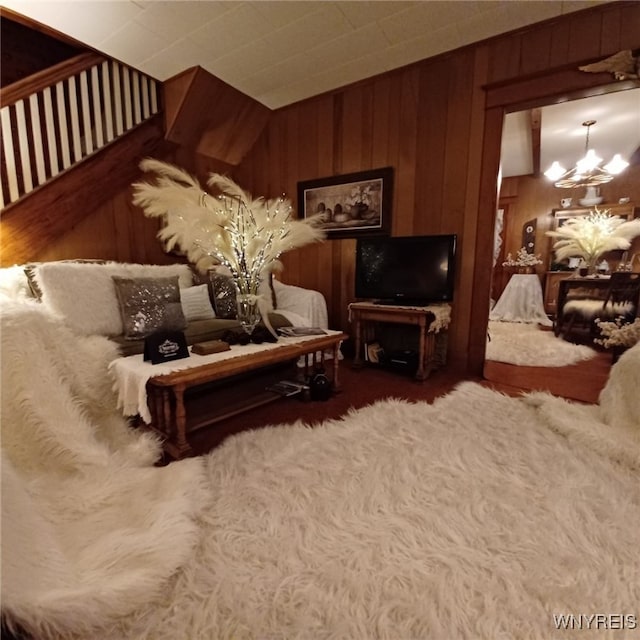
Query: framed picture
point(352, 204)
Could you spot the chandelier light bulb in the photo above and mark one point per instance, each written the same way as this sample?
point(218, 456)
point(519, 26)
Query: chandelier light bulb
point(616, 165)
point(587, 172)
point(555, 171)
point(589, 162)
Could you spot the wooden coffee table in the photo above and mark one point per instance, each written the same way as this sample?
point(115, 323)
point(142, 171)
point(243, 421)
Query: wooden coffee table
point(184, 401)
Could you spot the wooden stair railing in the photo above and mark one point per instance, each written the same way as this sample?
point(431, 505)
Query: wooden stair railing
point(56, 118)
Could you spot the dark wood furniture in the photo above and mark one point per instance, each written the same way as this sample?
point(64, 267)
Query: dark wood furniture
point(184, 401)
point(551, 289)
point(363, 313)
point(585, 300)
point(581, 289)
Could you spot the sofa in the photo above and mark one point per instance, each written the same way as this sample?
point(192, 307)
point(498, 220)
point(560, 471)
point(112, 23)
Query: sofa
point(125, 302)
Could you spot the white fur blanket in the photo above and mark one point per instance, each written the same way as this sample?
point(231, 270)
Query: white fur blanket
point(528, 345)
point(90, 529)
point(479, 516)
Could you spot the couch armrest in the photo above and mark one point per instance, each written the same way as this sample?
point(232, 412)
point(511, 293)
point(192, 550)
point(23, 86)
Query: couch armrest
point(307, 303)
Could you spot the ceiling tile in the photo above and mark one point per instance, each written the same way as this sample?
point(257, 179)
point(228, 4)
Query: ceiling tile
point(363, 12)
point(274, 47)
point(132, 43)
point(89, 21)
point(334, 53)
point(173, 20)
point(280, 13)
point(437, 42)
point(420, 20)
point(177, 57)
point(231, 30)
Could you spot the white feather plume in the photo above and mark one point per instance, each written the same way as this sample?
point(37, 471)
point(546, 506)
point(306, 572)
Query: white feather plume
point(592, 235)
point(231, 227)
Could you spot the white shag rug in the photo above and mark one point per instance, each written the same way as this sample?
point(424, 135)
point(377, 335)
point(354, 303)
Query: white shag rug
point(479, 516)
point(527, 345)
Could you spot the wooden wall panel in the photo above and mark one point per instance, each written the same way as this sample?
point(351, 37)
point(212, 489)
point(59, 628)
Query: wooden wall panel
point(574, 39)
point(437, 122)
point(380, 130)
point(39, 220)
point(629, 28)
point(429, 122)
point(536, 50)
point(432, 142)
point(225, 129)
point(405, 166)
point(559, 51)
point(585, 37)
point(26, 51)
point(457, 146)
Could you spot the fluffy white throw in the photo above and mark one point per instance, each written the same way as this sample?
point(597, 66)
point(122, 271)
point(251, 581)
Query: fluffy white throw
point(528, 345)
point(90, 528)
point(479, 516)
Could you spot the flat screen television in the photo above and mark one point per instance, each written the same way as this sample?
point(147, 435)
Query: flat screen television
point(412, 270)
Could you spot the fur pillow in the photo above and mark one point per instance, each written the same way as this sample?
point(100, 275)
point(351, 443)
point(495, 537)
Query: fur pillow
point(84, 296)
point(14, 283)
point(196, 304)
point(148, 305)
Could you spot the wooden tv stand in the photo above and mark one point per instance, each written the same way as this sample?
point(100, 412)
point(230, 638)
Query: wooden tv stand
point(363, 313)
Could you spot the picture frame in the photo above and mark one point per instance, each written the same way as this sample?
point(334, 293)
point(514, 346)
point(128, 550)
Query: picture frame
point(354, 204)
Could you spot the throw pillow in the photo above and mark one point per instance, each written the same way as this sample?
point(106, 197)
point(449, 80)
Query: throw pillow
point(223, 295)
point(196, 304)
point(83, 294)
point(148, 305)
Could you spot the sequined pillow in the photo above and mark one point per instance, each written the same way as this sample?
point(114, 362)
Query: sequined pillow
point(223, 295)
point(148, 305)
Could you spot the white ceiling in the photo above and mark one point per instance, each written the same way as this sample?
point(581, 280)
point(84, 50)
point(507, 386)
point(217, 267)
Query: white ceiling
point(279, 52)
point(563, 137)
point(282, 51)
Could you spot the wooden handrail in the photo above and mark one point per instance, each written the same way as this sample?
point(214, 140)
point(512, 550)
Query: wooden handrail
point(48, 77)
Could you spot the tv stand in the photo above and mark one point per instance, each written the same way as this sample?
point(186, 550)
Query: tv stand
point(402, 303)
point(368, 312)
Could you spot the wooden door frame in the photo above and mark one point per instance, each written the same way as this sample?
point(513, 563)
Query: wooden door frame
point(552, 87)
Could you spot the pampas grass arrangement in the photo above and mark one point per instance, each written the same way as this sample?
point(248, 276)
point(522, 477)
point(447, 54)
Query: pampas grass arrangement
point(592, 235)
point(232, 228)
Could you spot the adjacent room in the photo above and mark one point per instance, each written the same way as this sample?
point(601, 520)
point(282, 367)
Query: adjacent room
point(320, 319)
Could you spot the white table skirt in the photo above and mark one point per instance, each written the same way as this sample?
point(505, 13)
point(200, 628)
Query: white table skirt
point(521, 301)
point(131, 373)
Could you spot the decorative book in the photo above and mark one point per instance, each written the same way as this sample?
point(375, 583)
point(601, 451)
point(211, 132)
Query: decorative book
point(210, 346)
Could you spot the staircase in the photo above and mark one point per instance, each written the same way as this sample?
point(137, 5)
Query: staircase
point(57, 118)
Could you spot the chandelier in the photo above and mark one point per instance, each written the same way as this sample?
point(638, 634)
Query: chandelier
point(587, 172)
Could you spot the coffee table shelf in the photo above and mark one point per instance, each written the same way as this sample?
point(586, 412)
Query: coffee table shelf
point(185, 401)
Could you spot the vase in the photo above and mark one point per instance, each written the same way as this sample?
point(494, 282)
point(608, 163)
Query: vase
point(248, 309)
point(592, 264)
point(358, 210)
point(591, 197)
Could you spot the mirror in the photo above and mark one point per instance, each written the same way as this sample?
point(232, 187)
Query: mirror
point(527, 354)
